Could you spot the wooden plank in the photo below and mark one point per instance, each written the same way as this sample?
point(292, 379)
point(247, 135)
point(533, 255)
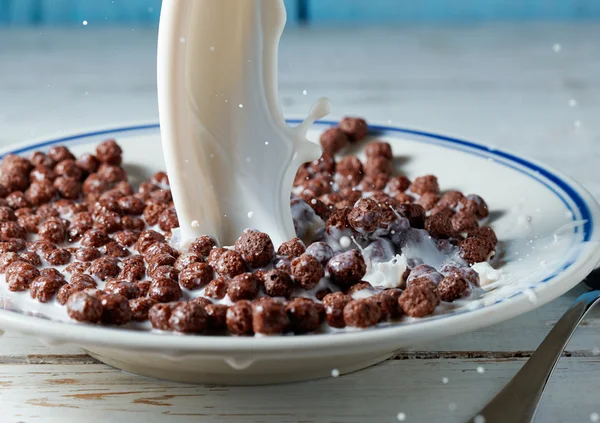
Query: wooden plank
point(101, 394)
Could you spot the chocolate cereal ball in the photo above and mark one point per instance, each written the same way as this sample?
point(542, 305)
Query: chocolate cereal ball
point(216, 318)
point(365, 216)
point(415, 214)
point(164, 290)
point(347, 268)
point(362, 313)
point(88, 163)
point(10, 230)
point(202, 245)
point(6, 259)
point(146, 239)
point(125, 288)
point(464, 222)
point(84, 307)
point(59, 153)
point(303, 315)
point(321, 251)
point(217, 288)
point(333, 140)
point(109, 152)
point(115, 309)
point(104, 268)
point(140, 308)
point(334, 308)
point(423, 184)
point(44, 288)
point(307, 271)
point(95, 238)
point(474, 250)
point(355, 128)
point(243, 287)
point(19, 275)
point(255, 247)
point(486, 234)
point(126, 237)
point(269, 317)
point(186, 259)
point(188, 317)
point(195, 275)
point(379, 149)
point(31, 258)
point(159, 315)
point(292, 248)
point(278, 283)
point(168, 219)
point(67, 290)
point(453, 287)
point(475, 205)
point(7, 214)
point(418, 300)
point(239, 318)
point(388, 303)
point(229, 263)
point(451, 199)
point(439, 226)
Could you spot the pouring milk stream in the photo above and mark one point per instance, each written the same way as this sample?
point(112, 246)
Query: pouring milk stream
point(230, 155)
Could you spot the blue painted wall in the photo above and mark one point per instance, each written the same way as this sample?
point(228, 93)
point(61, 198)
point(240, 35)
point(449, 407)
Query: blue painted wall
point(146, 12)
point(325, 11)
point(95, 12)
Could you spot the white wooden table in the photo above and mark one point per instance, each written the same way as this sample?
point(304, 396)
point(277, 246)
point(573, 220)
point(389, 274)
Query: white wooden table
point(506, 85)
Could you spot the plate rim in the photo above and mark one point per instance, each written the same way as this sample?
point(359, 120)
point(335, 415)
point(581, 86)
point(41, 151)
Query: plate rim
point(89, 335)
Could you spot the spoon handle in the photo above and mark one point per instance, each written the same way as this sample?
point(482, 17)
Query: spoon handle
point(518, 401)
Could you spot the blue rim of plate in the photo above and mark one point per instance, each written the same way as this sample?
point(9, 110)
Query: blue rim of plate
point(576, 205)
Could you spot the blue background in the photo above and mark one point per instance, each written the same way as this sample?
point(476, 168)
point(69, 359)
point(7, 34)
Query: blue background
point(146, 12)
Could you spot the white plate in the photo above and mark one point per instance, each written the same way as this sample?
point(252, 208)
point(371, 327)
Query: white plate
point(529, 202)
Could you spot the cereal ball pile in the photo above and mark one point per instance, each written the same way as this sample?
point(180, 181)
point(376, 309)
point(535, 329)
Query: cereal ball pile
point(75, 231)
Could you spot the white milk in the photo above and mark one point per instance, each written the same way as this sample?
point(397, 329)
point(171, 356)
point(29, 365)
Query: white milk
point(230, 156)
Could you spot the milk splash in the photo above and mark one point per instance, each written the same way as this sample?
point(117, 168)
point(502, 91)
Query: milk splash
point(227, 147)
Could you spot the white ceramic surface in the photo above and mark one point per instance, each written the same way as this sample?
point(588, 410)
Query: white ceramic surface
point(529, 203)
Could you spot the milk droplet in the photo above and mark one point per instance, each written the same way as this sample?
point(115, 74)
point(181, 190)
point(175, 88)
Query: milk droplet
point(345, 242)
point(556, 47)
point(313, 201)
point(266, 142)
point(85, 23)
point(304, 92)
point(195, 224)
point(335, 373)
point(445, 380)
point(480, 370)
point(452, 406)
point(241, 106)
point(595, 417)
point(250, 214)
point(572, 103)
point(401, 417)
point(479, 419)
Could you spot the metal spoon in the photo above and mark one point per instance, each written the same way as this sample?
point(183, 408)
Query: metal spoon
point(518, 401)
